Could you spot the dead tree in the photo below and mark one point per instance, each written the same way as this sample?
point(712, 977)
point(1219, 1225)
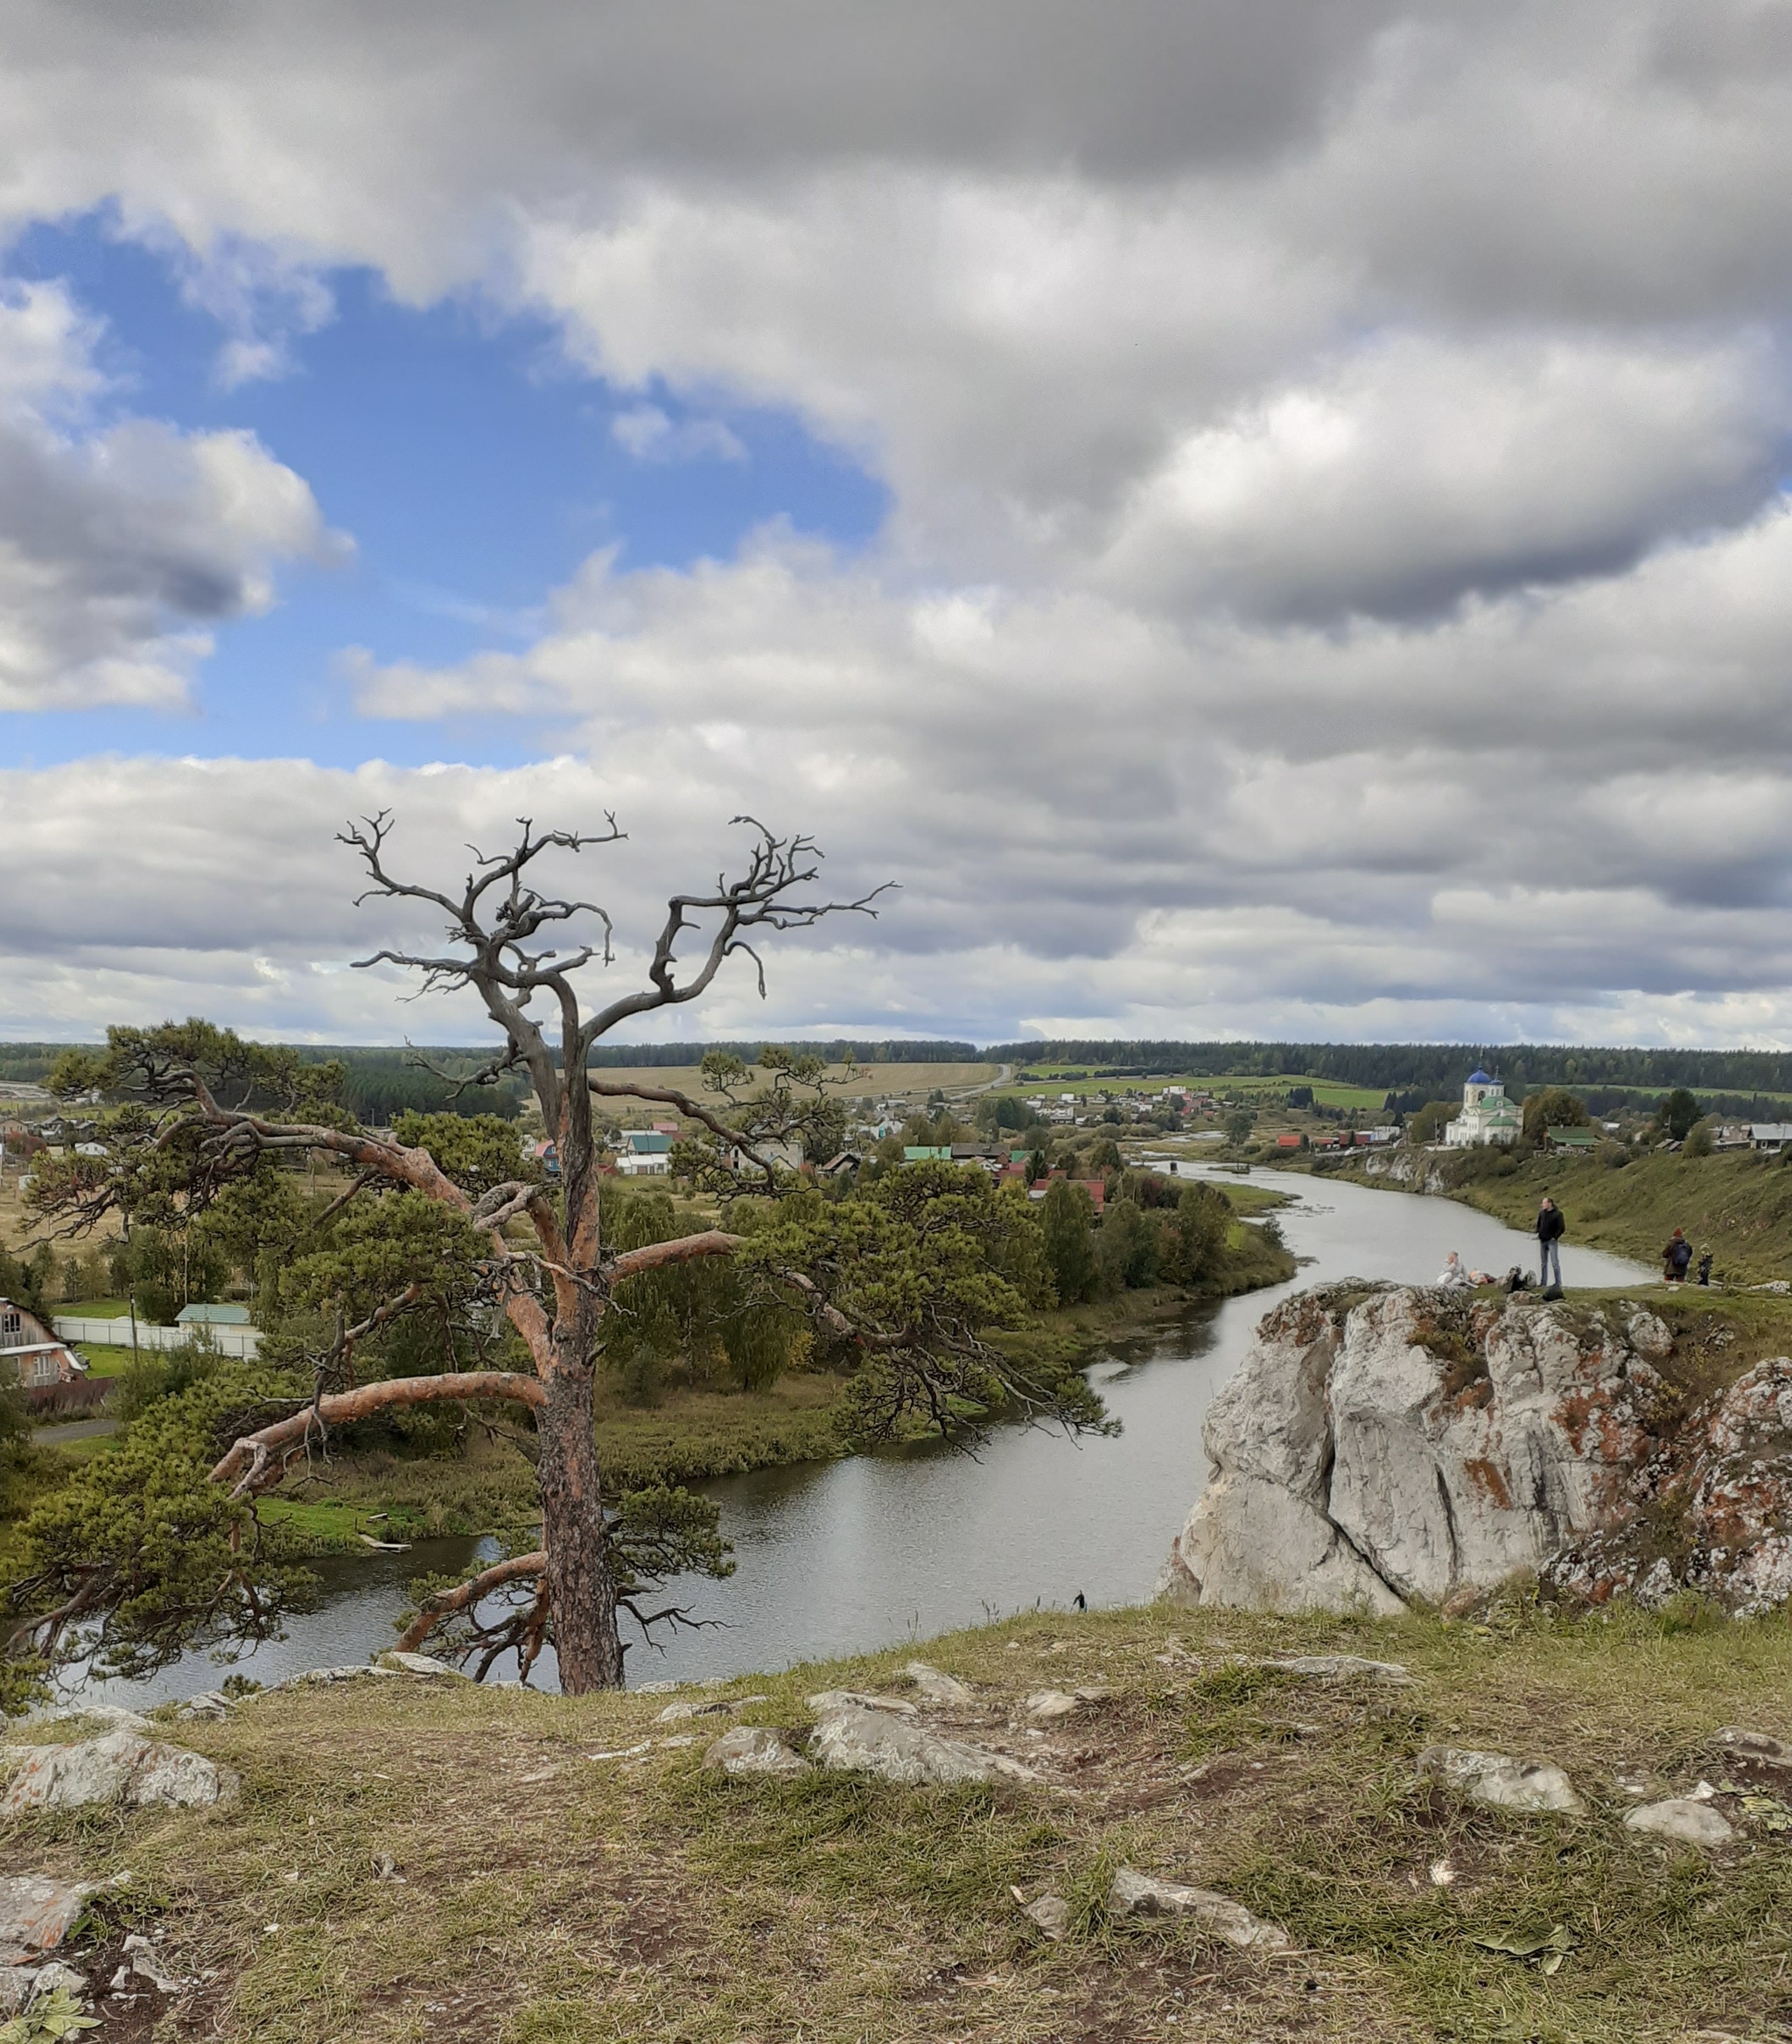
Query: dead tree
point(556, 1291)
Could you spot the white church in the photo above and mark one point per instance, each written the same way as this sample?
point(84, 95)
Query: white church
point(1486, 1117)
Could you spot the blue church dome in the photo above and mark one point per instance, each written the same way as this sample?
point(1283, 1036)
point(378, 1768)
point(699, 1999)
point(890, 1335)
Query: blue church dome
point(1479, 1078)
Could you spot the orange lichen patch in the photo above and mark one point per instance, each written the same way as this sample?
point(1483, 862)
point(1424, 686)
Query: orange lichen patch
point(1489, 1479)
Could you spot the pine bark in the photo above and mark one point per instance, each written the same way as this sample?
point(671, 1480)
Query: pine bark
point(581, 1570)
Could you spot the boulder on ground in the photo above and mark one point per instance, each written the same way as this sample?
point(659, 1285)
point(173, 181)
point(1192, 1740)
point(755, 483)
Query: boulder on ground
point(1499, 1780)
point(1683, 1819)
point(121, 1769)
point(755, 1749)
point(934, 1686)
point(861, 1738)
point(35, 1913)
point(1143, 1894)
point(397, 1661)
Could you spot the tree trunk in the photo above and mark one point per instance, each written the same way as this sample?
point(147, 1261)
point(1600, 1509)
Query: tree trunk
point(581, 1575)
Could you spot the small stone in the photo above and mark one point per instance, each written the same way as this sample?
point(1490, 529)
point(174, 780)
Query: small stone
point(1758, 1748)
point(1500, 1781)
point(936, 1687)
point(1341, 1667)
point(834, 1699)
point(396, 1660)
point(36, 1914)
point(209, 1704)
point(674, 1712)
point(1443, 1875)
point(680, 1738)
point(1050, 1705)
point(1683, 1820)
point(1142, 1895)
point(1050, 1914)
point(144, 1963)
point(755, 1749)
point(1650, 1336)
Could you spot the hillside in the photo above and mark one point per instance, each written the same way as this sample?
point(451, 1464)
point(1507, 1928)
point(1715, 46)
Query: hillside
point(1737, 1204)
point(421, 1857)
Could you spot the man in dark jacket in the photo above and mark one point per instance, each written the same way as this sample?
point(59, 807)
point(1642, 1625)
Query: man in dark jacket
point(1550, 1227)
point(1676, 1257)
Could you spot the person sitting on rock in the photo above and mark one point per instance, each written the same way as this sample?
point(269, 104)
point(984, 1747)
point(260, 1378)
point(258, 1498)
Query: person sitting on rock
point(1676, 1257)
point(1452, 1274)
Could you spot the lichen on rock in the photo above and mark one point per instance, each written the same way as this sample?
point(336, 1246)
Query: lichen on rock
point(1383, 1446)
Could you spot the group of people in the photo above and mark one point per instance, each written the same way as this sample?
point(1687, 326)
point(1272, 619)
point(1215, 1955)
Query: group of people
point(1677, 1259)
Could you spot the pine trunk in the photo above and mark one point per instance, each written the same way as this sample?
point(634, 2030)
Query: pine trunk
point(581, 1574)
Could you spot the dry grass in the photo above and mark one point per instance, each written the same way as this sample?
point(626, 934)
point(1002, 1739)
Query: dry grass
point(550, 1895)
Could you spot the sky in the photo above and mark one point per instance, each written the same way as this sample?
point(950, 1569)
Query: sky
point(1261, 519)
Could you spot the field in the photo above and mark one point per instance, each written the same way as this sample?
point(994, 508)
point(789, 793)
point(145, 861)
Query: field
point(415, 1859)
point(913, 1082)
point(1326, 1092)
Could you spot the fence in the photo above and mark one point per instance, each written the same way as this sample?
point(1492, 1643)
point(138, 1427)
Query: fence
point(243, 1342)
point(53, 1401)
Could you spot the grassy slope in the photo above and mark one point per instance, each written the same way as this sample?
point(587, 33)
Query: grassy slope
point(1738, 1206)
point(552, 1897)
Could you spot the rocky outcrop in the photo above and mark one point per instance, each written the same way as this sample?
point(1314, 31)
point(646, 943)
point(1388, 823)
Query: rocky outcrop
point(1383, 1446)
point(875, 1735)
point(120, 1768)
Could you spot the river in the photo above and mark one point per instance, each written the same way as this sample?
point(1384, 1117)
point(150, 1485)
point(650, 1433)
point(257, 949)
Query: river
point(841, 1558)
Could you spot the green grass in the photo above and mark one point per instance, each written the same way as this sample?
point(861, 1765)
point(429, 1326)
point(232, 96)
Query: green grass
point(550, 1898)
point(1739, 1205)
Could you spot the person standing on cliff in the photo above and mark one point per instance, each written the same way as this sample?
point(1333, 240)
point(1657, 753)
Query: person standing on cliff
point(1550, 1227)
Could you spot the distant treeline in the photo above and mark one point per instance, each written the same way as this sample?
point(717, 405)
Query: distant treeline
point(24, 1064)
point(902, 1051)
point(1438, 1068)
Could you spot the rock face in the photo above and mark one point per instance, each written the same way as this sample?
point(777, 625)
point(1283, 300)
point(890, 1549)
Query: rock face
point(1380, 1446)
point(122, 1768)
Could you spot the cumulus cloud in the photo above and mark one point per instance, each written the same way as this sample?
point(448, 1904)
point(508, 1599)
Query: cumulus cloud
point(1336, 580)
point(120, 544)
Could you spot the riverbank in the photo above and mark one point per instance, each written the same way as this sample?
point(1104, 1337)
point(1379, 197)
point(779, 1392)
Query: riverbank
point(424, 1858)
point(1737, 1204)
